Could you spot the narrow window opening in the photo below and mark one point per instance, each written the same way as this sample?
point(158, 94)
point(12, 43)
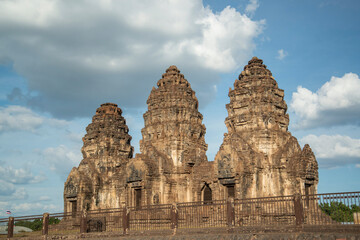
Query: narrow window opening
point(207, 195)
point(73, 208)
point(137, 198)
point(307, 193)
point(230, 191)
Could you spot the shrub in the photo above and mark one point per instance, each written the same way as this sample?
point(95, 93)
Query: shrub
point(339, 212)
point(36, 224)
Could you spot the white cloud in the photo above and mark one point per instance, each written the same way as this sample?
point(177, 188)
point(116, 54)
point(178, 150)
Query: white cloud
point(14, 118)
point(19, 118)
point(222, 36)
point(38, 207)
point(44, 198)
point(19, 176)
point(337, 102)
point(281, 54)
point(10, 178)
point(34, 13)
point(10, 192)
point(334, 151)
point(78, 54)
point(6, 188)
point(20, 194)
point(61, 159)
point(251, 7)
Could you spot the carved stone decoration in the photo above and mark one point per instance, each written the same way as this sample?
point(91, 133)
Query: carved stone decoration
point(267, 159)
point(94, 184)
point(173, 124)
point(173, 138)
point(258, 157)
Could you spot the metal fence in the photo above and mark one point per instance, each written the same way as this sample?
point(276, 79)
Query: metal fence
point(202, 214)
point(297, 211)
point(331, 208)
point(149, 217)
point(273, 211)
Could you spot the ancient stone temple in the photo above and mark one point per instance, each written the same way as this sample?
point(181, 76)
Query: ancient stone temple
point(258, 157)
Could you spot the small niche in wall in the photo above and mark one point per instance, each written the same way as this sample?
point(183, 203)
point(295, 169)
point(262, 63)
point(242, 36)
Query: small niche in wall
point(230, 191)
point(138, 197)
point(207, 194)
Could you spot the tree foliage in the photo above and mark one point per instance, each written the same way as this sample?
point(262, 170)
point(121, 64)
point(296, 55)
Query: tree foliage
point(36, 224)
point(340, 212)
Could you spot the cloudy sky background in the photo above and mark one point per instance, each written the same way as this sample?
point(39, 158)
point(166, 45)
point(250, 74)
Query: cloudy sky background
point(59, 60)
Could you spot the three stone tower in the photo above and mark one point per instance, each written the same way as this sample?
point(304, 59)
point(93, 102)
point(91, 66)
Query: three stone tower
point(258, 157)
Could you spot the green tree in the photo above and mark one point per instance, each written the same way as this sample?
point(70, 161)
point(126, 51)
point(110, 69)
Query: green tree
point(340, 212)
point(36, 224)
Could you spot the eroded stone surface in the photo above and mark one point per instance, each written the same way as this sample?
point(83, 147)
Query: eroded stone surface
point(106, 150)
point(173, 143)
point(173, 124)
point(258, 157)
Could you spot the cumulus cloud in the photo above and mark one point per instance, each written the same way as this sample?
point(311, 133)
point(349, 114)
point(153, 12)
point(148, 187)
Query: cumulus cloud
point(78, 54)
point(11, 177)
point(8, 191)
point(38, 207)
point(29, 208)
point(44, 198)
point(6, 188)
point(61, 159)
point(19, 176)
point(251, 7)
point(14, 118)
point(337, 102)
point(19, 118)
point(334, 151)
point(281, 54)
point(20, 194)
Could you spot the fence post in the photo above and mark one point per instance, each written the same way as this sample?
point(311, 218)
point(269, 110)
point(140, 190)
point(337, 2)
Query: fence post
point(299, 211)
point(45, 225)
point(10, 227)
point(83, 221)
point(174, 217)
point(126, 219)
point(230, 212)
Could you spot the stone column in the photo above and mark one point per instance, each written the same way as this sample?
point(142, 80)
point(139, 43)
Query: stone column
point(126, 220)
point(298, 209)
point(10, 227)
point(230, 212)
point(174, 217)
point(45, 226)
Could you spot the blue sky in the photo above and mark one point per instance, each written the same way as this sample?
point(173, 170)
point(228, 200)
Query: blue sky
point(59, 60)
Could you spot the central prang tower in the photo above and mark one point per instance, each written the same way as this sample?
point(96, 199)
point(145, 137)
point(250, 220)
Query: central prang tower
point(173, 124)
point(173, 149)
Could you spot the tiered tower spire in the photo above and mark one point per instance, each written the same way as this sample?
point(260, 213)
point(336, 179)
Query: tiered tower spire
point(173, 124)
